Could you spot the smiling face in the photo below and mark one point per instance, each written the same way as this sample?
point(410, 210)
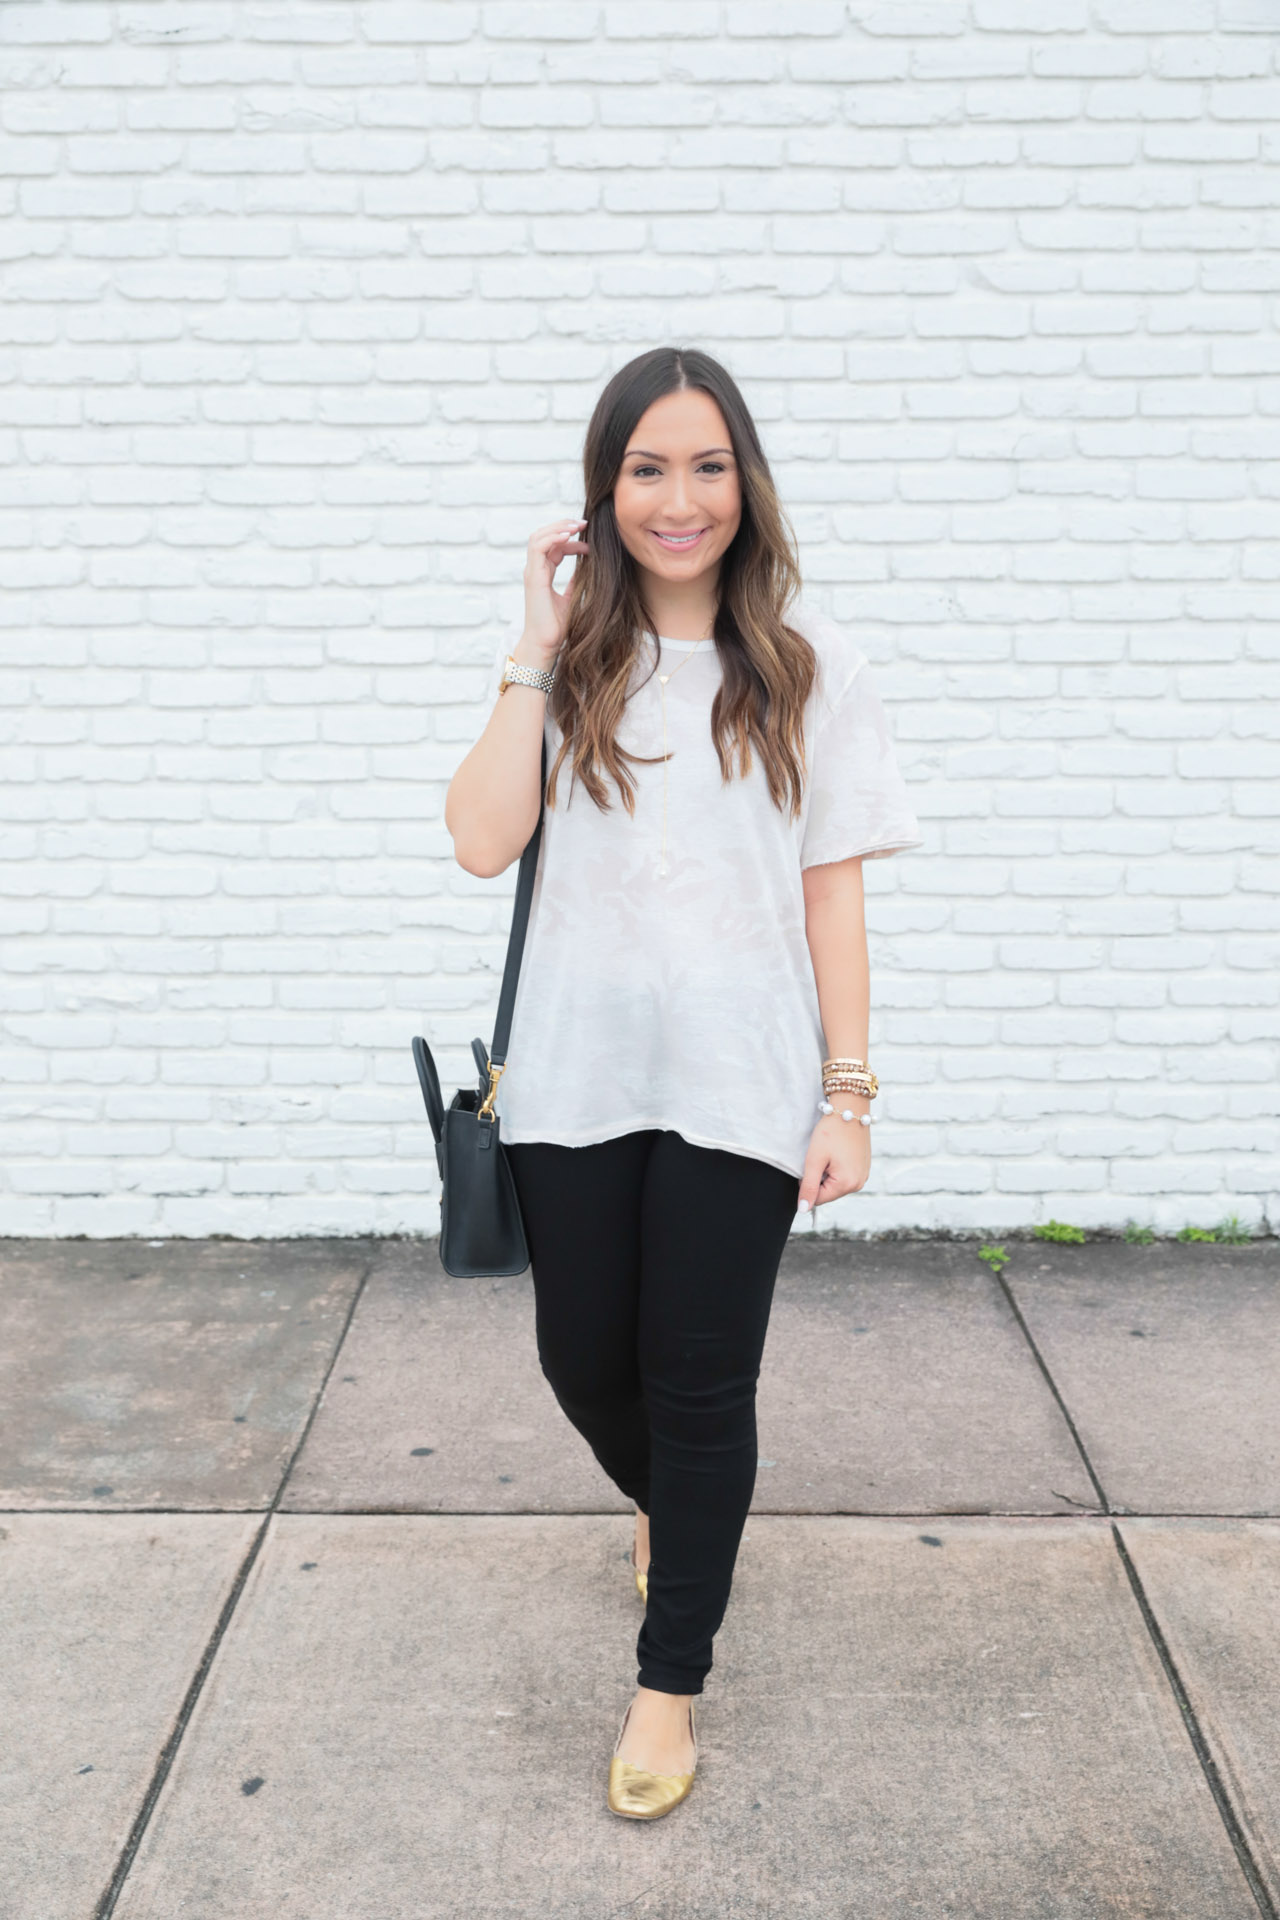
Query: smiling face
point(677, 498)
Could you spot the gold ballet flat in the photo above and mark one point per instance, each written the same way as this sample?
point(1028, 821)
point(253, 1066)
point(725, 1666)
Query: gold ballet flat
point(642, 1579)
point(640, 1795)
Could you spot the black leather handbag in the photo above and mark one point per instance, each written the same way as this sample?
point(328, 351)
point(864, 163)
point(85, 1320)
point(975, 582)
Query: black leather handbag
point(481, 1228)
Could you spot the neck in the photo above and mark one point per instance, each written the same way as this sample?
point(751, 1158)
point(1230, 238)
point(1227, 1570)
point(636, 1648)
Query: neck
point(680, 615)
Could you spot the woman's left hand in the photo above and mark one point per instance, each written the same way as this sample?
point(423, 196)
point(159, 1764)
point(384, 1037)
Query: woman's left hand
point(838, 1160)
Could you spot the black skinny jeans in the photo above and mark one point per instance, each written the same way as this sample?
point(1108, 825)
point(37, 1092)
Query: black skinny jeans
point(653, 1265)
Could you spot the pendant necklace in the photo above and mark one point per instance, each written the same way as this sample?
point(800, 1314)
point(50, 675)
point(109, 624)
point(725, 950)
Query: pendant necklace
point(663, 679)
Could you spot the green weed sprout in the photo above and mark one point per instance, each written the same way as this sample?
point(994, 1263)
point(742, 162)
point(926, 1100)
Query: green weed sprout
point(1059, 1230)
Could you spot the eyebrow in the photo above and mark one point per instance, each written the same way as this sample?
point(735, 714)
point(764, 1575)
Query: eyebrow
point(631, 451)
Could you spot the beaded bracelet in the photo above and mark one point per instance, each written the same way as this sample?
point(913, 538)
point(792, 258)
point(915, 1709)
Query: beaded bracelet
point(864, 1082)
point(842, 1075)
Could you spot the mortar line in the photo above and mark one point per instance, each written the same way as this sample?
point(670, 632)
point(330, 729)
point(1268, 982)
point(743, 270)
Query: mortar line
point(168, 1753)
point(1208, 1765)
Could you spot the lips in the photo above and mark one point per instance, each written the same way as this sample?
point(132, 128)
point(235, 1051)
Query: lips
point(678, 543)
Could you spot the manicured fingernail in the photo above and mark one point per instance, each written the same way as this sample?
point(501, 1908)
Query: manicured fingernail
point(804, 1206)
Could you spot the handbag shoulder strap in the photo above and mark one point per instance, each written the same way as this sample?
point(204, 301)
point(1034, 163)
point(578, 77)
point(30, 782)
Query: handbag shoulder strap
point(519, 922)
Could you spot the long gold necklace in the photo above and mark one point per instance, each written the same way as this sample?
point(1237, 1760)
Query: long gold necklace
point(663, 679)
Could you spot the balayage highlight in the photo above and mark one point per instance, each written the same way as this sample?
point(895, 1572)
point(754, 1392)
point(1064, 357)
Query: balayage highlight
point(768, 668)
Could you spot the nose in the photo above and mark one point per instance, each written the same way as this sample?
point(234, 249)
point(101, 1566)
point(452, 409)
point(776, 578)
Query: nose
point(678, 502)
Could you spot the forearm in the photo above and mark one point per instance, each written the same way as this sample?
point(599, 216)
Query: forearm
point(835, 927)
point(492, 804)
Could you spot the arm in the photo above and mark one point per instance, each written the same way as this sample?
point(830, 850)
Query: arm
point(839, 1157)
point(492, 803)
point(495, 796)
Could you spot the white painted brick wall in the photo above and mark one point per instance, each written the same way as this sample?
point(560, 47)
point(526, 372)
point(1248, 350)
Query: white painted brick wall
point(303, 309)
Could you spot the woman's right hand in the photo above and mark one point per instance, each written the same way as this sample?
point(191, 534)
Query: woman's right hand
point(546, 612)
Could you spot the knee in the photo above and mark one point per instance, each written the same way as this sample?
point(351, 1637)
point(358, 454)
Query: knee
point(701, 1368)
point(702, 1398)
point(585, 1389)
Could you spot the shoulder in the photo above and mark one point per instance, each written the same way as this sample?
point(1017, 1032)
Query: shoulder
point(839, 655)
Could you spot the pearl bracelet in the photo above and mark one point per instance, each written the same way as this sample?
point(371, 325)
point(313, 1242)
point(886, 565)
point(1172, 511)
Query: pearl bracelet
point(867, 1119)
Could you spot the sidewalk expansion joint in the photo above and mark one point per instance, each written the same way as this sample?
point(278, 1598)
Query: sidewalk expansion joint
point(168, 1753)
point(1200, 1746)
point(1083, 1511)
point(1227, 1813)
point(1052, 1385)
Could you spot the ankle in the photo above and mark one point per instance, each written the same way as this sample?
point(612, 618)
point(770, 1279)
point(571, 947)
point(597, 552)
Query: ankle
point(657, 1700)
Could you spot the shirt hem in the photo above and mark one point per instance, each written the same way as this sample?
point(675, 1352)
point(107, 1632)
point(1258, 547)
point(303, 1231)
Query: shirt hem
point(563, 1137)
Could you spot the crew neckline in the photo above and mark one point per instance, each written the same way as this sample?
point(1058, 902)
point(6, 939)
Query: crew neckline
point(687, 645)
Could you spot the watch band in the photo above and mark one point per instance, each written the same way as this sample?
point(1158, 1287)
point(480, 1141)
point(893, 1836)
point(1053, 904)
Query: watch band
point(513, 674)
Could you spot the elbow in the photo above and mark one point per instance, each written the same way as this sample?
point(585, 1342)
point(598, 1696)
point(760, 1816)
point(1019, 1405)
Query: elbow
point(489, 868)
point(484, 858)
point(469, 849)
point(483, 862)
point(476, 851)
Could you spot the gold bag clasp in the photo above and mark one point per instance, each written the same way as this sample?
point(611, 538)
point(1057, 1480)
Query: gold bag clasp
point(486, 1106)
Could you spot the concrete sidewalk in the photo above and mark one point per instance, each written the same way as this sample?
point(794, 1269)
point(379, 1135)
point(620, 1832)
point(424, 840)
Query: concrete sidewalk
point(314, 1607)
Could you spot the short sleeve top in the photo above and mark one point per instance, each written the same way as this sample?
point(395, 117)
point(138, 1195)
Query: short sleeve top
point(686, 998)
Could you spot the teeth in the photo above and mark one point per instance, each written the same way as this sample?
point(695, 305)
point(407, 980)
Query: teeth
point(678, 539)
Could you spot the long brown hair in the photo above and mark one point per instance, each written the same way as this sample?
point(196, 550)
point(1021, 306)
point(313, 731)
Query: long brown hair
point(768, 668)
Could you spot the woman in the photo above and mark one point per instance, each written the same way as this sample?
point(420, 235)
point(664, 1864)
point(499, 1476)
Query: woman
point(693, 959)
